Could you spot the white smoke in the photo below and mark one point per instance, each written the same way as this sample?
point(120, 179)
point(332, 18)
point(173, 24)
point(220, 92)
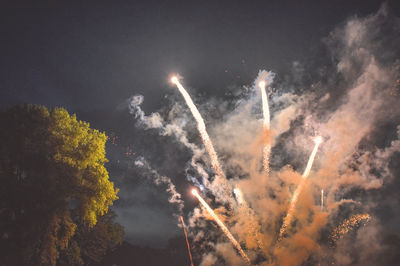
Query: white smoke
point(175, 198)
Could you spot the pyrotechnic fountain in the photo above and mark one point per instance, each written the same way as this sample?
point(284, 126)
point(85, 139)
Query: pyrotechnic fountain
point(220, 174)
point(254, 207)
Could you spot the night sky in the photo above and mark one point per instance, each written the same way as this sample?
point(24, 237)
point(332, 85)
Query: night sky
point(91, 57)
point(95, 54)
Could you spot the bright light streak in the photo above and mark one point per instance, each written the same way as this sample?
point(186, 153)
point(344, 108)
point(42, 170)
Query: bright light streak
point(221, 225)
point(264, 98)
point(318, 141)
point(289, 216)
point(238, 195)
point(322, 199)
point(267, 125)
point(204, 135)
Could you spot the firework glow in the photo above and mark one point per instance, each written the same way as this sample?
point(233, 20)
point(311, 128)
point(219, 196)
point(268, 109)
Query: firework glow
point(277, 215)
point(238, 196)
point(220, 176)
point(267, 127)
point(322, 199)
point(292, 207)
point(222, 226)
point(207, 133)
point(348, 225)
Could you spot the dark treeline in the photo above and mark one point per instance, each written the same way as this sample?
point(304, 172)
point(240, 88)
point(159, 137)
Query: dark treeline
point(55, 191)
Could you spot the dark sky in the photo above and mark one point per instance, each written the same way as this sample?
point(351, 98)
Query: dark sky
point(90, 56)
point(94, 54)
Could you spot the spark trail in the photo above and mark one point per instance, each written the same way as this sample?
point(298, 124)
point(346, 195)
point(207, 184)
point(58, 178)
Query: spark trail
point(221, 225)
point(349, 224)
point(322, 199)
point(187, 241)
point(244, 208)
point(267, 126)
point(289, 216)
point(220, 176)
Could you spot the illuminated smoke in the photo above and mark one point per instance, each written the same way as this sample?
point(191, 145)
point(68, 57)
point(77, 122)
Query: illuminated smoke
point(346, 114)
point(244, 209)
point(187, 241)
point(348, 225)
point(266, 127)
point(289, 216)
point(221, 225)
point(220, 180)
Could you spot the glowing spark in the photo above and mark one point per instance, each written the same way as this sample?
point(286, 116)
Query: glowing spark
point(221, 225)
point(267, 125)
point(238, 195)
point(349, 224)
point(174, 80)
point(203, 134)
point(187, 241)
point(289, 216)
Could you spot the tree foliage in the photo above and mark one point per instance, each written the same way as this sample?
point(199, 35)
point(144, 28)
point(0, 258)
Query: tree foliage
point(89, 245)
point(53, 180)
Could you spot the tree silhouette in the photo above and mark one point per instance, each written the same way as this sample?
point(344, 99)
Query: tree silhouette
point(53, 183)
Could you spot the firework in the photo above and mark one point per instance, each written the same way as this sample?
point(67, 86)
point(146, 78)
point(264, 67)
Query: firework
point(318, 141)
point(252, 225)
point(238, 195)
point(267, 145)
point(187, 241)
point(289, 216)
point(204, 135)
point(322, 199)
point(244, 208)
point(221, 225)
point(348, 225)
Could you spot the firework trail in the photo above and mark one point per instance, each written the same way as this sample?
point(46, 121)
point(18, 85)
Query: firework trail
point(254, 228)
point(322, 199)
point(318, 141)
point(221, 225)
point(289, 216)
point(204, 137)
point(267, 126)
point(349, 224)
point(187, 241)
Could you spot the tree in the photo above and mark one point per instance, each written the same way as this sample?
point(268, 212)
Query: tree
point(89, 245)
point(53, 179)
